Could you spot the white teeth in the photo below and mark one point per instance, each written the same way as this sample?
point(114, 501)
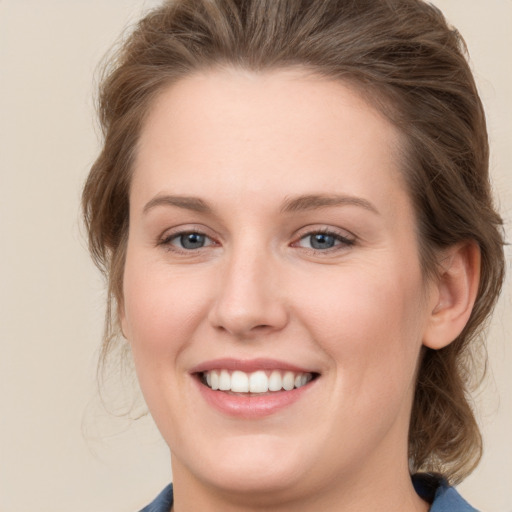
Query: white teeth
point(288, 381)
point(214, 380)
point(224, 380)
point(256, 382)
point(275, 382)
point(240, 382)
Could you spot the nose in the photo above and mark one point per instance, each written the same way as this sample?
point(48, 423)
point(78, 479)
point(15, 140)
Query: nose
point(250, 299)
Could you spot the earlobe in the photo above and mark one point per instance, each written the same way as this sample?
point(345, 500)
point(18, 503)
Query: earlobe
point(454, 294)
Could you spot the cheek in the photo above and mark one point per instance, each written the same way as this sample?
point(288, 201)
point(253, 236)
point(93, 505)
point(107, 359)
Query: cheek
point(162, 311)
point(371, 324)
point(162, 308)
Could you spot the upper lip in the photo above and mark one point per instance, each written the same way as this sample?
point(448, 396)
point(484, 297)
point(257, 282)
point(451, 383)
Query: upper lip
point(248, 365)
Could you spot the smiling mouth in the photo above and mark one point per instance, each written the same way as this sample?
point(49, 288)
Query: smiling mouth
point(258, 382)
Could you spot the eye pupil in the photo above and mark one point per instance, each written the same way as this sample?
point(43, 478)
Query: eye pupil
point(322, 241)
point(192, 240)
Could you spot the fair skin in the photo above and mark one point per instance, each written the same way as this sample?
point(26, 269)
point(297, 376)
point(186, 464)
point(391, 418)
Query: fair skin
point(270, 230)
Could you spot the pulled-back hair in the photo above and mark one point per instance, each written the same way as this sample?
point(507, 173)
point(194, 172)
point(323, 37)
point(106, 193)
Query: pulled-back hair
point(408, 63)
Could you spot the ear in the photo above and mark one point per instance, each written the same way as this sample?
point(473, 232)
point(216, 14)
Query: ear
point(453, 294)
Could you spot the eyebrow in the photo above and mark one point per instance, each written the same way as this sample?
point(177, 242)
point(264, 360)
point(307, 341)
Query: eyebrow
point(290, 205)
point(315, 201)
point(188, 203)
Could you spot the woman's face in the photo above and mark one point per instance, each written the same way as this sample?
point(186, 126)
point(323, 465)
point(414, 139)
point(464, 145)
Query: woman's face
point(272, 244)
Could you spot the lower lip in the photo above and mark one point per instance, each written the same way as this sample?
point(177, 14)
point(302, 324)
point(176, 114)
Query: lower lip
point(252, 406)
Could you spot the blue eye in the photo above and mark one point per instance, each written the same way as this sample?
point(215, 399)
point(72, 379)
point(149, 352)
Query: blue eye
point(322, 241)
point(188, 240)
point(192, 240)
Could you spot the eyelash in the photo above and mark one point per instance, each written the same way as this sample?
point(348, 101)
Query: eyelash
point(167, 240)
point(343, 241)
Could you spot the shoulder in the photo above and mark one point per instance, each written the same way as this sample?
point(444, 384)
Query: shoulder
point(162, 503)
point(436, 490)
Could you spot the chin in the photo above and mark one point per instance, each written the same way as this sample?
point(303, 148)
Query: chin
point(253, 464)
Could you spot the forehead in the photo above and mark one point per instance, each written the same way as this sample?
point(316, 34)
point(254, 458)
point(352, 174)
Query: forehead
point(260, 130)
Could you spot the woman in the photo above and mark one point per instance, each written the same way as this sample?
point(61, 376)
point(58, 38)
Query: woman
point(293, 210)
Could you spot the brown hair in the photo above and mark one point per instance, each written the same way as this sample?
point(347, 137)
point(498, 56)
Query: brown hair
point(406, 60)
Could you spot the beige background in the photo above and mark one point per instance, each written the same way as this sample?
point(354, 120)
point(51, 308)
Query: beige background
point(51, 297)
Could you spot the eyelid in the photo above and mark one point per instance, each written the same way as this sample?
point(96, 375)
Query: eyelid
point(328, 230)
point(208, 241)
point(172, 233)
point(345, 238)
